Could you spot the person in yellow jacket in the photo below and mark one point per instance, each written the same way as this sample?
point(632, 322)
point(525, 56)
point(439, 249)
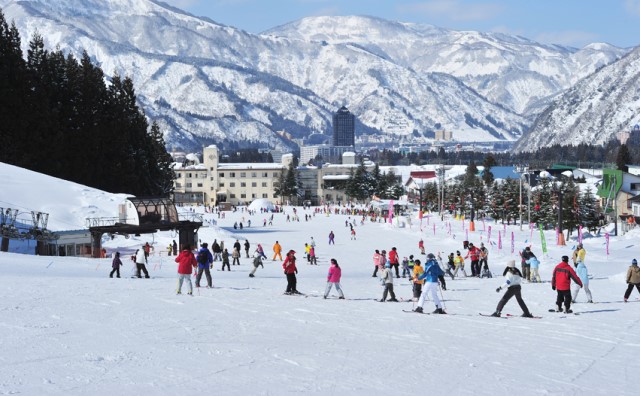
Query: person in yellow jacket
point(307, 252)
point(277, 251)
point(417, 283)
point(458, 261)
point(578, 254)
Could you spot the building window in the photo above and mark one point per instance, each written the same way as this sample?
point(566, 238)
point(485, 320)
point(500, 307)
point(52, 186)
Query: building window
point(232, 174)
point(243, 174)
point(254, 174)
point(243, 196)
point(232, 184)
point(188, 185)
point(264, 184)
point(253, 196)
point(275, 174)
point(200, 185)
point(265, 174)
point(265, 195)
point(189, 175)
point(254, 184)
point(635, 186)
point(221, 174)
point(232, 195)
point(221, 185)
point(243, 184)
point(178, 185)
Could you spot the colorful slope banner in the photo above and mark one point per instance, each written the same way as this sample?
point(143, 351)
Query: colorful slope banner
point(543, 241)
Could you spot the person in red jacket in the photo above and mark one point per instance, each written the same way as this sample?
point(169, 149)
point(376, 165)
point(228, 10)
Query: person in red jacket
point(395, 261)
point(186, 263)
point(290, 271)
point(561, 282)
point(474, 253)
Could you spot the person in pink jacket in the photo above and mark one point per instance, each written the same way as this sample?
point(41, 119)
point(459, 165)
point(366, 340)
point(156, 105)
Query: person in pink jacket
point(186, 264)
point(333, 279)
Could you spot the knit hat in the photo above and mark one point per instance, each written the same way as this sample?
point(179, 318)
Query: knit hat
point(634, 262)
point(292, 252)
point(511, 263)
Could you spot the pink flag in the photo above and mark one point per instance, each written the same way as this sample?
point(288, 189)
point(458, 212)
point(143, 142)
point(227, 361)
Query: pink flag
point(606, 238)
point(499, 240)
point(580, 234)
point(434, 229)
point(390, 211)
point(489, 235)
point(513, 244)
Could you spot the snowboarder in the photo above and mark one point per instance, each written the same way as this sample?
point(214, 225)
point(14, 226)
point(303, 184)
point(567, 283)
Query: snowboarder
point(386, 277)
point(513, 278)
point(431, 273)
point(561, 281)
point(290, 271)
point(186, 264)
point(333, 279)
point(633, 279)
point(116, 264)
point(204, 260)
point(583, 274)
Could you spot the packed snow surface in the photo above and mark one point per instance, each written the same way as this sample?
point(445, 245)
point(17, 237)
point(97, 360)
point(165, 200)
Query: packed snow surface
point(68, 329)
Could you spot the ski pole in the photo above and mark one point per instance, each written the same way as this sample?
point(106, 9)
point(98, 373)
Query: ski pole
point(444, 306)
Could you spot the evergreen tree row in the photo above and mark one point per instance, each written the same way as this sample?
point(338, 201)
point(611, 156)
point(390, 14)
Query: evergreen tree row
point(59, 117)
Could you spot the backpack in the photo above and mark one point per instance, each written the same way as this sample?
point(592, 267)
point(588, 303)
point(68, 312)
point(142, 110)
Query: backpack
point(202, 257)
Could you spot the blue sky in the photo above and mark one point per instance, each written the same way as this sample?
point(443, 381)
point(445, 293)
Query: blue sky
point(567, 22)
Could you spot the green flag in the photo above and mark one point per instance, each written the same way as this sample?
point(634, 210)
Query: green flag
point(543, 241)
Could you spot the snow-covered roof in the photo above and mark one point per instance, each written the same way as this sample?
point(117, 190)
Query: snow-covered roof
point(250, 166)
point(335, 177)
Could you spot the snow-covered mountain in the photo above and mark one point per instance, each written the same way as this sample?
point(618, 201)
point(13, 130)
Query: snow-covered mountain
point(206, 82)
point(594, 110)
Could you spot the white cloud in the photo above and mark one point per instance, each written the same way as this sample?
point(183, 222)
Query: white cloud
point(454, 10)
point(574, 38)
point(633, 7)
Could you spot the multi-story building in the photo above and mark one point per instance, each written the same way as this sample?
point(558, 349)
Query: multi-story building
point(343, 128)
point(210, 183)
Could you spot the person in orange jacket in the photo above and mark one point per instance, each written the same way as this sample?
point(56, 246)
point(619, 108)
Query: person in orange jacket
point(277, 251)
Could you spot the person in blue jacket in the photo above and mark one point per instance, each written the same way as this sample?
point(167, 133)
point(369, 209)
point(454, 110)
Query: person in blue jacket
point(431, 273)
point(205, 259)
point(583, 274)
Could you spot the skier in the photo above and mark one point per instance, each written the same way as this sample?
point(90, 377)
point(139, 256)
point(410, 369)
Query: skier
point(386, 277)
point(332, 238)
point(236, 256)
point(204, 260)
point(225, 259)
point(116, 264)
point(277, 251)
point(583, 274)
point(257, 261)
point(561, 280)
point(376, 262)
point(512, 283)
point(578, 255)
point(246, 247)
point(186, 264)
point(395, 261)
point(333, 279)
point(451, 266)
point(353, 234)
point(633, 279)
point(312, 256)
point(290, 271)
point(526, 254)
point(484, 258)
point(260, 250)
point(474, 253)
point(140, 263)
point(431, 273)
point(458, 261)
point(421, 246)
point(535, 274)
point(443, 282)
point(417, 283)
point(174, 248)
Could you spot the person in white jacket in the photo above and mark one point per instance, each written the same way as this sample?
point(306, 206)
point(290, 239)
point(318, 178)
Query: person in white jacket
point(513, 278)
point(141, 261)
point(583, 274)
point(386, 277)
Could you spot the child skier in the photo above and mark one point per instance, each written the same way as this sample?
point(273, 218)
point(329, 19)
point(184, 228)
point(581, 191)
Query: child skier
point(333, 279)
point(116, 264)
point(535, 274)
point(583, 274)
point(458, 261)
point(290, 271)
point(417, 283)
point(387, 280)
point(186, 264)
point(512, 283)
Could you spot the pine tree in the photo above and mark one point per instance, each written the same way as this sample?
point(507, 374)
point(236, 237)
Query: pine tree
point(488, 163)
point(623, 158)
point(588, 210)
point(162, 173)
